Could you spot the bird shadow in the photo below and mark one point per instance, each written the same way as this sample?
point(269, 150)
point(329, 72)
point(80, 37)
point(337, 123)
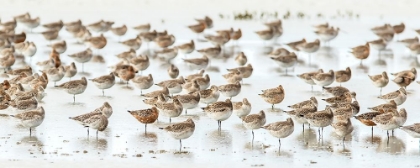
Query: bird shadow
point(97, 143)
point(379, 62)
point(274, 110)
point(84, 73)
point(213, 69)
point(127, 87)
point(31, 140)
point(104, 97)
point(394, 145)
point(75, 104)
point(148, 137)
point(220, 137)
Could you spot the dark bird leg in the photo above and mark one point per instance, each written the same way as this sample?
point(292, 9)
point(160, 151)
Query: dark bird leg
point(252, 143)
point(145, 128)
point(303, 128)
point(387, 134)
point(103, 93)
point(30, 131)
point(97, 134)
point(180, 145)
point(74, 99)
point(372, 134)
point(279, 145)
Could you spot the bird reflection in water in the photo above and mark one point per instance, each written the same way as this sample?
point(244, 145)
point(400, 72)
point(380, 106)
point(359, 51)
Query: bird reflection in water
point(373, 139)
point(307, 136)
point(31, 140)
point(394, 146)
point(149, 137)
point(220, 138)
point(379, 62)
point(266, 50)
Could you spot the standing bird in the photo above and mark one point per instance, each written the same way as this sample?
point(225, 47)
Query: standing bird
point(273, 95)
point(412, 130)
point(342, 128)
point(219, 111)
point(126, 73)
point(143, 82)
point(60, 47)
point(119, 31)
point(32, 118)
point(134, 43)
point(366, 118)
point(254, 121)
point(145, 116)
point(198, 28)
point(98, 123)
point(71, 70)
point(405, 78)
point(169, 109)
point(186, 48)
point(142, 28)
point(82, 57)
point(75, 87)
point(343, 75)
point(242, 108)
point(197, 63)
point(140, 63)
point(241, 59)
point(182, 130)
point(281, 129)
point(324, 79)
point(361, 52)
point(390, 120)
point(96, 42)
point(309, 48)
point(380, 80)
point(399, 96)
point(320, 119)
point(209, 96)
point(307, 77)
point(104, 82)
point(173, 71)
point(266, 35)
point(230, 90)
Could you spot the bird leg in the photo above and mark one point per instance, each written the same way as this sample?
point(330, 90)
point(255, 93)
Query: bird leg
point(74, 99)
point(252, 144)
point(372, 134)
point(30, 131)
point(279, 145)
point(145, 128)
point(180, 145)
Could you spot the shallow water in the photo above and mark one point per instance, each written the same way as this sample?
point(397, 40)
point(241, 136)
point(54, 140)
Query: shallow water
point(64, 143)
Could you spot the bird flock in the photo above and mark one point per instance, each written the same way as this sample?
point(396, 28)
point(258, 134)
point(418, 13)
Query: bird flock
point(25, 86)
